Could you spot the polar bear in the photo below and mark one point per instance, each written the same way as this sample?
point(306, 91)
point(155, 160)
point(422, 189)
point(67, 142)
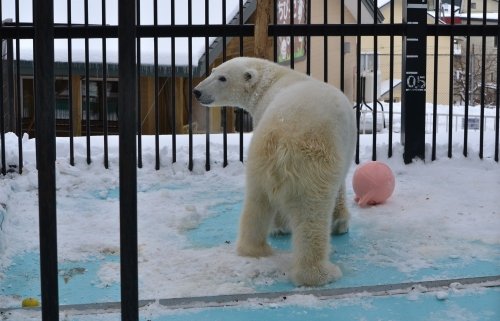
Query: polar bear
point(301, 149)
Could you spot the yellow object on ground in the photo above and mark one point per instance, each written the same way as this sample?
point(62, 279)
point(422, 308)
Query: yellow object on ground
point(30, 303)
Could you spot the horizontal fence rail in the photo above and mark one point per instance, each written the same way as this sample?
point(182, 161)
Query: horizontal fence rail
point(64, 31)
point(370, 30)
point(359, 46)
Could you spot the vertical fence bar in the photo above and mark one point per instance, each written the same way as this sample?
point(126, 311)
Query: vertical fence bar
point(497, 114)
point(172, 47)
point(342, 47)
point(325, 42)
point(241, 111)
point(3, 169)
point(207, 110)
point(128, 167)
point(156, 88)
point(375, 78)
point(139, 110)
point(224, 109)
point(467, 81)
point(391, 80)
point(358, 81)
point(483, 83)
point(275, 38)
point(450, 88)
point(190, 86)
point(46, 155)
point(19, 118)
point(105, 89)
point(87, 84)
point(308, 39)
point(70, 90)
point(292, 37)
point(435, 86)
point(11, 124)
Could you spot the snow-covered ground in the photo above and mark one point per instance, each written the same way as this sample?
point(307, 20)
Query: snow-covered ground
point(448, 209)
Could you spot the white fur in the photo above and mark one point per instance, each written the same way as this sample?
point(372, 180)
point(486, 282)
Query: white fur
point(302, 146)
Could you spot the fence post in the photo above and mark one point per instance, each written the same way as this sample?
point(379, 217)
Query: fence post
point(414, 80)
point(127, 114)
point(10, 86)
point(46, 155)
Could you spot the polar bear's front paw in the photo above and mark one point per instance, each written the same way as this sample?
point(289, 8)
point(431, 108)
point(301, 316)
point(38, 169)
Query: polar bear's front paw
point(254, 250)
point(316, 275)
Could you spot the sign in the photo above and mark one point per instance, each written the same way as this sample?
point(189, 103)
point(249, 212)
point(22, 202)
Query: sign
point(299, 17)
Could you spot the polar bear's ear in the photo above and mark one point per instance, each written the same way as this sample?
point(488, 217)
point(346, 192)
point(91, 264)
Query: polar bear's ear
point(250, 75)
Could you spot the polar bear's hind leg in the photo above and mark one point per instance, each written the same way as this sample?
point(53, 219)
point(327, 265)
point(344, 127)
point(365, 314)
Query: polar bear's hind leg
point(311, 241)
point(255, 224)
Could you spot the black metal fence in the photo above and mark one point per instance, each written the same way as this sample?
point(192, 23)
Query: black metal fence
point(405, 47)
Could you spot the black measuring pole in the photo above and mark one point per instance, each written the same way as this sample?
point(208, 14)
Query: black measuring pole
point(414, 80)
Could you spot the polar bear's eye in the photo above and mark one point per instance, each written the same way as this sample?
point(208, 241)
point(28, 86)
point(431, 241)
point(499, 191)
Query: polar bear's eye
point(222, 78)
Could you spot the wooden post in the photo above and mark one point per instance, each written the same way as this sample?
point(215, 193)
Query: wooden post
point(147, 105)
point(180, 105)
point(263, 43)
point(77, 105)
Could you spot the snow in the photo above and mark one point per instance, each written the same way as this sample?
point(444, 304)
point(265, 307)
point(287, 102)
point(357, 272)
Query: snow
point(445, 208)
point(146, 18)
point(382, 3)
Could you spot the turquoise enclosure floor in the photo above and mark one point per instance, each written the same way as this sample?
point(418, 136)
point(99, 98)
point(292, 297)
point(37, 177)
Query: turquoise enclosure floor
point(79, 283)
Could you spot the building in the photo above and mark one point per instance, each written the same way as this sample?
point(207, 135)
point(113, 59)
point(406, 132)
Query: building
point(383, 53)
point(481, 12)
point(87, 83)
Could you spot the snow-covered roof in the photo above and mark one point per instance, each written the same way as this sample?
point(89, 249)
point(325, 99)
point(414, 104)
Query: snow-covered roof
point(490, 16)
point(367, 11)
point(111, 16)
point(446, 12)
point(382, 3)
point(146, 8)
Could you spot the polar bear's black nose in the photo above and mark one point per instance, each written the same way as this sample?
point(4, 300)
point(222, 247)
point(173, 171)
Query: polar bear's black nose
point(197, 93)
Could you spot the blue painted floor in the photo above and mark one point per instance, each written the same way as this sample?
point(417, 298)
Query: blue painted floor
point(78, 282)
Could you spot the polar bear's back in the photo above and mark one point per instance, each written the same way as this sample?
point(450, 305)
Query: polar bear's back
point(306, 138)
point(308, 106)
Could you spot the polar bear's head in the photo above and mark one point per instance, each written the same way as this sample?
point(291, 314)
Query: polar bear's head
point(230, 84)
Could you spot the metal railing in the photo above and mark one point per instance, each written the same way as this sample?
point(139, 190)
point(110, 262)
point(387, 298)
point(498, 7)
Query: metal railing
point(356, 25)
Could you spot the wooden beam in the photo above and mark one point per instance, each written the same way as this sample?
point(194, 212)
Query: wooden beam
point(147, 105)
point(180, 104)
point(263, 43)
point(77, 105)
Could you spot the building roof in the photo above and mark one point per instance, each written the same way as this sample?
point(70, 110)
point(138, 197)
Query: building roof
point(367, 10)
point(146, 9)
point(95, 17)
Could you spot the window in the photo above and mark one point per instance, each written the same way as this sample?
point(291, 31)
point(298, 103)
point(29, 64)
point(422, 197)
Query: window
point(28, 97)
point(61, 97)
point(367, 62)
point(97, 103)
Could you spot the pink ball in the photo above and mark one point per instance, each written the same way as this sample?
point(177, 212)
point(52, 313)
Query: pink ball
point(373, 183)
